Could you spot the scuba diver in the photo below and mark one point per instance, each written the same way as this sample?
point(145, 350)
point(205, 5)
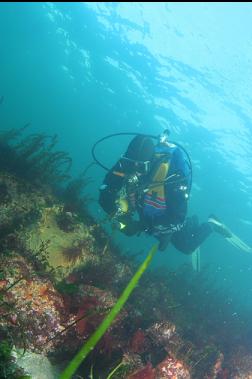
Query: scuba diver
point(147, 190)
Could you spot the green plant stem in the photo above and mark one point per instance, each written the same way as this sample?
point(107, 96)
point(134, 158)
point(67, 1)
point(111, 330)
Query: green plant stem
point(97, 335)
point(91, 373)
point(114, 371)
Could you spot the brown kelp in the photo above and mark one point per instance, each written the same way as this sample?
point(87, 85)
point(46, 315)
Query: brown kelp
point(73, 197)
point(33, 157)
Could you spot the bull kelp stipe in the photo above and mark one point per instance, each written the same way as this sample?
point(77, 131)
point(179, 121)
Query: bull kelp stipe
point(106, 323)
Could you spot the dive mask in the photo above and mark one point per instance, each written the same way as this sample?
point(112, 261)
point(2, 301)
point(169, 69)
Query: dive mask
point(132, 165)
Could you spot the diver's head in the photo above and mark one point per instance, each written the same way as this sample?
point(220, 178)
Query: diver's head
point(138, 156)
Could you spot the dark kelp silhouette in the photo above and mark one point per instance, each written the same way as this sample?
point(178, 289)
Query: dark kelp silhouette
point(33, 157)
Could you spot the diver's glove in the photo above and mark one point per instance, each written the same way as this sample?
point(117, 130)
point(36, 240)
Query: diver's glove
point(164, 240)
point(132, 228)
point(164, 234)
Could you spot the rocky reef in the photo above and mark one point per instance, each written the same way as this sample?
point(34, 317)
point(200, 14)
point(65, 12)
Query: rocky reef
point(60, 274)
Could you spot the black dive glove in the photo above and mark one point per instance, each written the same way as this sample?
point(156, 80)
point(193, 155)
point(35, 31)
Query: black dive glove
point(164, 240)
point(164, 234)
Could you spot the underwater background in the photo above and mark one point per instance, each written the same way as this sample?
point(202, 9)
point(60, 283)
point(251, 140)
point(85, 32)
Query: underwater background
point(86, 70)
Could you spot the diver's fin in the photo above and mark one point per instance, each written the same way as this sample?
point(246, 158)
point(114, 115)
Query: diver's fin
point(219, 227)
point(239, 244)
point(195, 258)
point(222, 229)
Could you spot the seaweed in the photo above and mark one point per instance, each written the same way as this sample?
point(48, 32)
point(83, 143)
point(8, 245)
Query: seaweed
point(115, 370)
point(73, 197)
point(33, 157)
point(8, 368)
